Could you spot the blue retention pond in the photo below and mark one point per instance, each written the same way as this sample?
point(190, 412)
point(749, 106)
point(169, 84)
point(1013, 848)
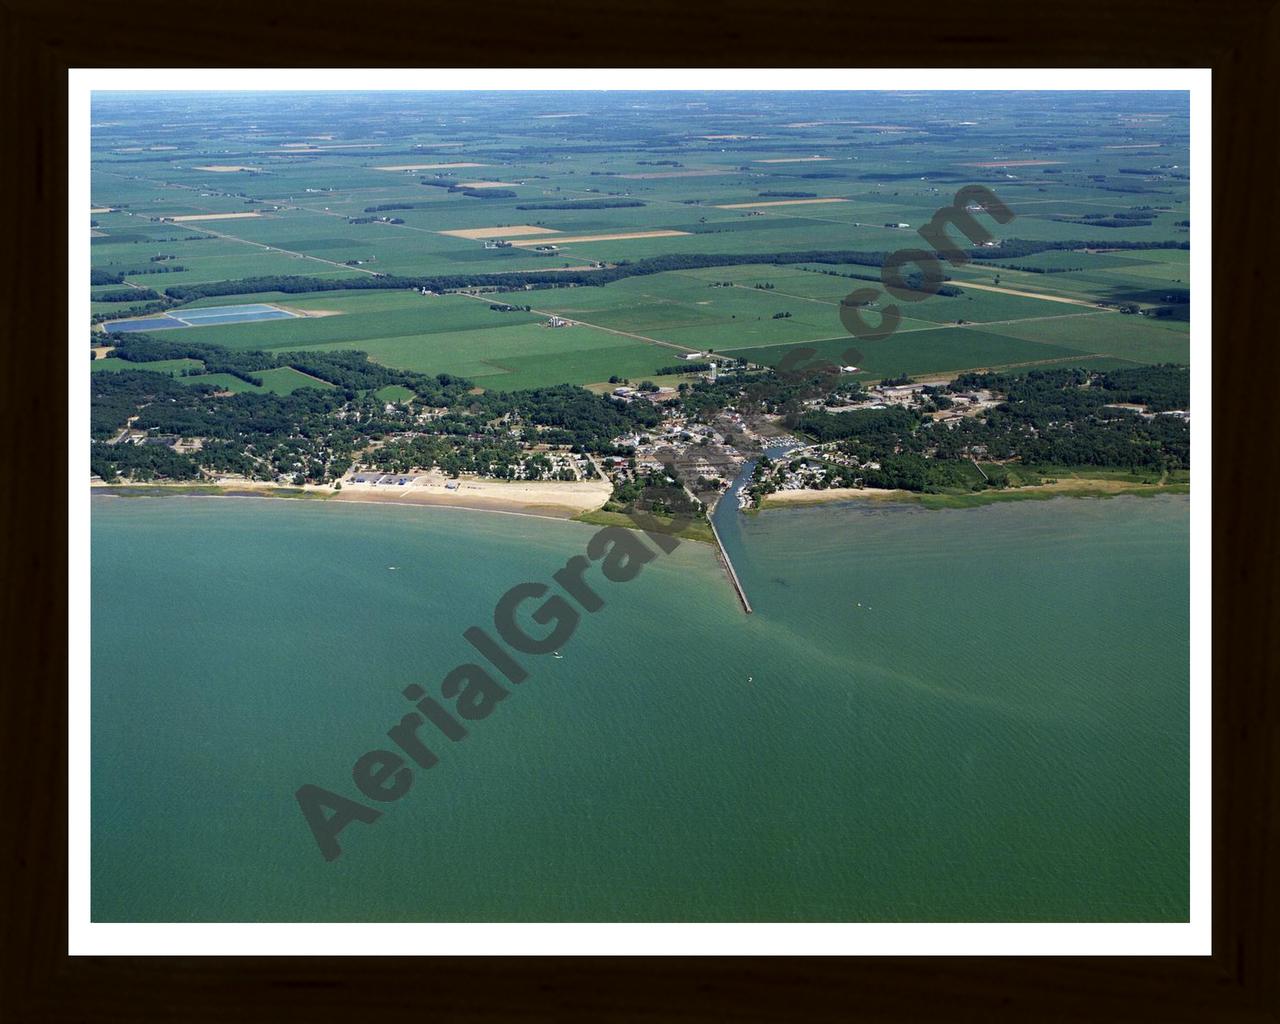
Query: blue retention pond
point(152, 323)
point(206, 316)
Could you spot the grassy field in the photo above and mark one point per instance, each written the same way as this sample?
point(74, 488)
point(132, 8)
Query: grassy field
point(394, 393)
point(518, 356)
point(170, 366)
point(694, 530)
point(223, 382)
point(944, 349)
point(285, 380)
point(280, 381)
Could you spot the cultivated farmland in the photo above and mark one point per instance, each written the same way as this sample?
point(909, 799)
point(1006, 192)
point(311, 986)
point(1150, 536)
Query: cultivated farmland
point(667, 235)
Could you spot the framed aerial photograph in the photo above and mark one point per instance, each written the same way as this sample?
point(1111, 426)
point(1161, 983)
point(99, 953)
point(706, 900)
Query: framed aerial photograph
point(640, 542)
point(593, 504)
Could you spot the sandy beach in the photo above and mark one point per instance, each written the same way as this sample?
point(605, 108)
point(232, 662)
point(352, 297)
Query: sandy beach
point(1072, 487)
point(565, 498)
point(547, 498)
point(815, 497)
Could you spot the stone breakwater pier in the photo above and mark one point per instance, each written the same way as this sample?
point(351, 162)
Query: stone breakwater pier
point(729, 569)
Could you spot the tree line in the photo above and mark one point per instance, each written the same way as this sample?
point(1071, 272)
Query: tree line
point(583, 204)
point(291, 284)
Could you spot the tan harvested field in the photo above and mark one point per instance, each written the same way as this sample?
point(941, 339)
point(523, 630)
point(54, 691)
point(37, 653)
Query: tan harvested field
point(224, 168)
point(488, 184)
point(702, 173)
point(337, 145)
point(213, 216)
point(1013, 163)
point(856, 124)
point(425, 167)
point(503, 232)
point(778, 202)
point(1028, 295)
point(308, 312)
point(792, 160)
point(562, 240)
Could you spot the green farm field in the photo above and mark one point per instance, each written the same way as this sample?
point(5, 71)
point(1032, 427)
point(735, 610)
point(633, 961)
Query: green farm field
point(919, 353)
point(282, 380)
point(517, 356)
point(169, 366)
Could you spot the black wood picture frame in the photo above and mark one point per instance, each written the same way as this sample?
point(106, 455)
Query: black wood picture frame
point(1239, 39)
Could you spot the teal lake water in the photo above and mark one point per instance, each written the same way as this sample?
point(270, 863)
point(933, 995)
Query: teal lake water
point(969, 715)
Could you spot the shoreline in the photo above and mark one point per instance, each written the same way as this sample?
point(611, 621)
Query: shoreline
point(534, 505)
point(487, 499)
point(261, 489)
point(1079, 488)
